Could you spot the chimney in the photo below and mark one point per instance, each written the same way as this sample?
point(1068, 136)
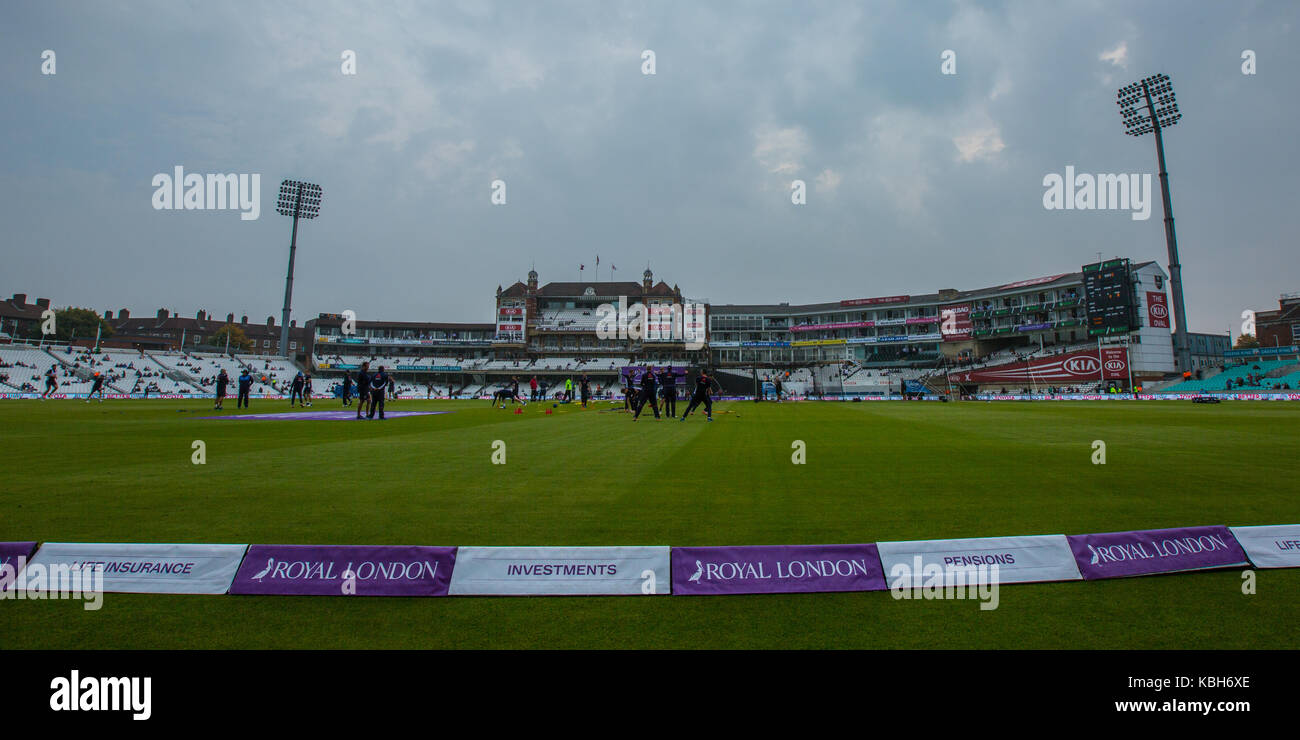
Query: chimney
point(201, 315)
point(162, 314)
point(293, 323)
point(270, 321)
point(20, 299)
point(230, 318)
point(123, 314)
point(43, 302)
point(108, 315)
point(243, 319)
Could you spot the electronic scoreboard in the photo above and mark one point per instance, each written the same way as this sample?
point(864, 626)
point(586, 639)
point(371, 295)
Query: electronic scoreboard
point(1108, 295)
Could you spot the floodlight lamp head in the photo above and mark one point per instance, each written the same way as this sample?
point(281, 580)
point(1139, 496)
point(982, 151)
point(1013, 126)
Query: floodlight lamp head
point(301, 199)
point(1141, 119)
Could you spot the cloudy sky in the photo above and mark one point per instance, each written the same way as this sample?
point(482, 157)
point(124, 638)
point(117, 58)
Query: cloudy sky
point(916, 180)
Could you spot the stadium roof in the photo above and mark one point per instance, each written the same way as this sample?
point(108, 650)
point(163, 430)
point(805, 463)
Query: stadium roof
point(579, 289)
point(331, 321)
point(946, 297)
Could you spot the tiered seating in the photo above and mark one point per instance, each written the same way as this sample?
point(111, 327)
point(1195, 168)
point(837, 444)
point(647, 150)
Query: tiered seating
point(209, 365)
point(391, 361)
point(179, 362)
point(271, 373)
point(75, 368)
point(24, 367)
point(1290, 381)
point(576, 319)
point(1239, 372)
point(563, 363)
point(521, 366)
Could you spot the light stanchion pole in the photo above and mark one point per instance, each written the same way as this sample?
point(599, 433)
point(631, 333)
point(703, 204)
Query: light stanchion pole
point(299, 200)
point(1149, 106)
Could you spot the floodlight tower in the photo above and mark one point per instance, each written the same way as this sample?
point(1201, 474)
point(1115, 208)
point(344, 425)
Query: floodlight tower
point(300, 200)
point(1149, 106)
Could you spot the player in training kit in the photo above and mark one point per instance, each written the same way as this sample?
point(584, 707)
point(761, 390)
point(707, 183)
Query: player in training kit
point(347, 388)
point(668, 382)
point(629, 392)
point(98, 387)
point(647, 394)
point(245, 387)
point(295, 390)
point(378, 384)
point(222, 381)
point(703, 391)
point(306, 390)
point(51, 382)
point(363, 388)
point(584, 389)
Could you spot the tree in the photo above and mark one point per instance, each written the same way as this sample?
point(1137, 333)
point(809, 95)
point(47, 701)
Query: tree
point(70, 323)
point(1246, 341)
point(239, 341)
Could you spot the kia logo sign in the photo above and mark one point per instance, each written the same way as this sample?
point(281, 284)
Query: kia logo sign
point(1114, 366)
point(1159, 311)
point(1082, 365)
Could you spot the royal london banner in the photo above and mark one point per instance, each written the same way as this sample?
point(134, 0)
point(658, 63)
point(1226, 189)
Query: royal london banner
point(1144, 552)
point(345, 570)
point(149, 569)
point(556, 571)
point(1027, 559)
point(1270, 546)
point(13, 555)
point(778, 569)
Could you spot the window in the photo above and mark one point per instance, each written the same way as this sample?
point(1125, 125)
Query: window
point(293, 345)
point(266, 342)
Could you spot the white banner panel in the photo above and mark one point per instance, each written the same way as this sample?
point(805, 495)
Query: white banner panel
point(546, 571)
point(133, 568)
point(1018, 559)
point(1270, 546)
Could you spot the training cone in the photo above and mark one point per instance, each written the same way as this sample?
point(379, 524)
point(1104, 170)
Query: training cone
point(519, 411)
point(548, 411)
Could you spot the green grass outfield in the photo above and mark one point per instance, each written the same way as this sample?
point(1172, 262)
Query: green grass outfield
point(121, 471)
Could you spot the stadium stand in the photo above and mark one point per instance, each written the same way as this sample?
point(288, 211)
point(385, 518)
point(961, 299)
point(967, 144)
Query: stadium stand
point(272, 373)
point(23, 367)
point(574, 319)
point(1257, 375)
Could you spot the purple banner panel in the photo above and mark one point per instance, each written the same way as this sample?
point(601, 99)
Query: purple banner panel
point(776, 569)
point(15, 555)
point(1119, 554)
point(345, 570)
